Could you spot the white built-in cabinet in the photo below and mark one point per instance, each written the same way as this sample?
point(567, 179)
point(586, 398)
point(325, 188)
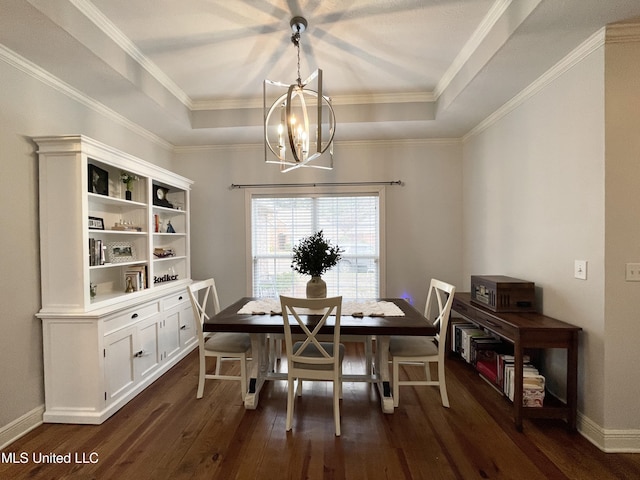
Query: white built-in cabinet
point(115, 310)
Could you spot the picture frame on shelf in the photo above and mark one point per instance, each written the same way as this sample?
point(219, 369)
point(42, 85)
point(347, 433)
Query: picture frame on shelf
point(120, 252)
point(98, 181)
point(96, 223)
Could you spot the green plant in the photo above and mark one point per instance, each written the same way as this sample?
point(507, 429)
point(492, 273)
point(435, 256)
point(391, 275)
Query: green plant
point(128, 179)
point(314, 255)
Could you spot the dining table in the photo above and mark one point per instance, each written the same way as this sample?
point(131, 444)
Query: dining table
point(355, 322)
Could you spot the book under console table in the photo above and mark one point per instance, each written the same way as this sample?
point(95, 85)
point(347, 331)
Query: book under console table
point(529, 330)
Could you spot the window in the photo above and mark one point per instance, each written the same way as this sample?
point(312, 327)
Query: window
point(351, 219)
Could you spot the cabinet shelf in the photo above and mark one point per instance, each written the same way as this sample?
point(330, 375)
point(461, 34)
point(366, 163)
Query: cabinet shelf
point(116, 232)
point(115, 265)
point(166, 259)
point(169, 210)
point(115, 201)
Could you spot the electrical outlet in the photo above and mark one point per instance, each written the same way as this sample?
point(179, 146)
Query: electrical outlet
point(633, 272)
point(580, 269)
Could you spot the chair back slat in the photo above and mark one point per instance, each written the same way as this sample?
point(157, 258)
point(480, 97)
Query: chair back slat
point(442, 293)
point(199, 294)
point(291, 314)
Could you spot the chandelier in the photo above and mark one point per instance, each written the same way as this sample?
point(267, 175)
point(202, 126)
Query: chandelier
point(300, 123)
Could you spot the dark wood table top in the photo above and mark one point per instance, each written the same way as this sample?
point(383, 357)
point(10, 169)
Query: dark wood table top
point(413, 323)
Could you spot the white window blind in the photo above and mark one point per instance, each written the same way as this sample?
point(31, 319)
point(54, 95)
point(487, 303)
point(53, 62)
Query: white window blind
point(351, 221)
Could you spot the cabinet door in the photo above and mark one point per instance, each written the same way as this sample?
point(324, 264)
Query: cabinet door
point(148, 352)
point(188, 333)
point(119, 360)
point(170, 334)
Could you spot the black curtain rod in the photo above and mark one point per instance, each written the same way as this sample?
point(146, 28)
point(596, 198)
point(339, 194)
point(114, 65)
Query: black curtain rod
point(336, 184)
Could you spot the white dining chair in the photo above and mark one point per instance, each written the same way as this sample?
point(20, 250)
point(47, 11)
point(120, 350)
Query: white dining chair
point(311, 359)
point(221, 345)
point(425, 350)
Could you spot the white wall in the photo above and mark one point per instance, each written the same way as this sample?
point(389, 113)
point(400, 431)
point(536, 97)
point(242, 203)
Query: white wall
point(30, 108)
point(423, 236)
point(534, 203)
point(622, 174)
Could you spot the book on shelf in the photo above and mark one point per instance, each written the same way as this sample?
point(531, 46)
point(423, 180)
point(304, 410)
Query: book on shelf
point(484, 346)
point(467, 334)
point(455, 323)
point(533, 385)
point(138, 276)
point(96, 252)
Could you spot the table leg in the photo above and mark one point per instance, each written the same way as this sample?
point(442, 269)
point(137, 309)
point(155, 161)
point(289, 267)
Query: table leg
point(259, 367)
point(572, 381)
point(518, 385)
point(382, 370)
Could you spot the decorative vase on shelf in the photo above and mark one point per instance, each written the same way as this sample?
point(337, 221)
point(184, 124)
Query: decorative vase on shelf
point(316, 288)
point(128, 179)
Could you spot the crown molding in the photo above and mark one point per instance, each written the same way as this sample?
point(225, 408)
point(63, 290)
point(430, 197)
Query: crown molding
point(623, 33)
point(356, 99)
point(341, 144)
point(38, 73)
point(585, 49)
point(89, 10)
point(491, 18)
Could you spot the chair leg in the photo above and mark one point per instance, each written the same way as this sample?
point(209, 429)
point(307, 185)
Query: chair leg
point(396, 383)
point(290, 383)
point(337, 389)
point(243, 377)
point(203, 368)
point(218, 363)
point(443, 385)
point(427, 370)
point(368, 354)
point(299, 389)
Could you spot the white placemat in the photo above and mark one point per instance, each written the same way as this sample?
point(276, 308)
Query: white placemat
point(369, 308)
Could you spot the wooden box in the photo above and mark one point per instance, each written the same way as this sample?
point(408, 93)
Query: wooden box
point(499, 293)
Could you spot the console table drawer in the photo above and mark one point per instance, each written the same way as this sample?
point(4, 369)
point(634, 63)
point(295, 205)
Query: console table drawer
point(461, 308)
point(495, 325)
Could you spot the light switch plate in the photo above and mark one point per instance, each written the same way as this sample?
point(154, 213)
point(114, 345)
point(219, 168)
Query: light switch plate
point(580, 269)
point(633, 272)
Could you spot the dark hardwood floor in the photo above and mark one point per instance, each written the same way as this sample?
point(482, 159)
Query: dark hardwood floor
point(166, 433)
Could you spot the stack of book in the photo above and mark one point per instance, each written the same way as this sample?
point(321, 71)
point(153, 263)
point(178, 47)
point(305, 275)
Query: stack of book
point(468, 338)
point(96, 252)
point(138, 276)
point(532, 382)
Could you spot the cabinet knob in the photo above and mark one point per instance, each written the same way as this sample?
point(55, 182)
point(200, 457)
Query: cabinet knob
point(138, 354)
point(135, 315)
point(183, 327)
point(180, 297)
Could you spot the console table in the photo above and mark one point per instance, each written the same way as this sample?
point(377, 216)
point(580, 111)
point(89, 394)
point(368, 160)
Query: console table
point(535, 331)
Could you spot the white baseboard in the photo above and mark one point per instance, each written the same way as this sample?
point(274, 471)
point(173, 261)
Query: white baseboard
point(609, 440)
point(21, 426)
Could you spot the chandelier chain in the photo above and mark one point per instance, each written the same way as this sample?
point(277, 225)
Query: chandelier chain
point(295, 38)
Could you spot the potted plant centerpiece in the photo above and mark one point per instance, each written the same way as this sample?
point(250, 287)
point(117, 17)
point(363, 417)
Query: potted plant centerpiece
point(313, 256)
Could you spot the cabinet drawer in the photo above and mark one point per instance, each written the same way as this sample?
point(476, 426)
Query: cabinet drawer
point(495, 325)
point(131, 316)
point(175, 299)
point(459, 307)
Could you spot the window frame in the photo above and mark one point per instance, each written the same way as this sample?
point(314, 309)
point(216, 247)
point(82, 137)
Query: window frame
point(379, 191)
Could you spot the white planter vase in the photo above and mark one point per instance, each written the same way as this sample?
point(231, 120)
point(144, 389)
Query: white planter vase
point(316, 288)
